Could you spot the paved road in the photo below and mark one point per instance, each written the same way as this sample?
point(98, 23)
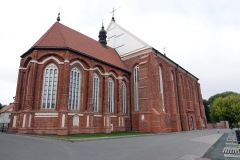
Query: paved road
point(173, 146)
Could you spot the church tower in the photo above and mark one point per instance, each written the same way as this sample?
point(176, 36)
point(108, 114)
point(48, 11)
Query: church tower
point(103, 36)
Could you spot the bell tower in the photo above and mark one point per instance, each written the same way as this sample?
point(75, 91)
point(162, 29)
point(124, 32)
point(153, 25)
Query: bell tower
point(102, 36)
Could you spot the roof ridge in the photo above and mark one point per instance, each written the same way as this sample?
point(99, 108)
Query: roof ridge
point(45, 35)
point(6, 107)
point(64, 39)
point(81, 33)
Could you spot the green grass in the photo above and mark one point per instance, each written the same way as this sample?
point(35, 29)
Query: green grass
point(96, 135)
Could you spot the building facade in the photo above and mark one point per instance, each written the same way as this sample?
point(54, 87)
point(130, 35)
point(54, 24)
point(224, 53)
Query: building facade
point(5, 114)
point(69, 83)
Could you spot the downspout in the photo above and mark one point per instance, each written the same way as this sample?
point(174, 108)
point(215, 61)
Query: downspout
point(179, 108)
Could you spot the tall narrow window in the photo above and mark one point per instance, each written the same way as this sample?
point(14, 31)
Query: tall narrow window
point(136, 74)
point(95, 92)
point(194, 93)
point(197, 96)
point(189, 91)
point(110, 95)
point(172, 79)
point(161, 88)
point(182, 86)
point(74, 89)
point(50, 87)
point(124, 100)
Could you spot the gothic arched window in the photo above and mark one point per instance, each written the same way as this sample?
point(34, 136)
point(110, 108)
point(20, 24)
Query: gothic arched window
point(50, 87)
point(136, 79)
point(197, 96)
point(95, 92)
point(74, 89)
point(161, 88)
point(173, 85)
point(110, 95)
point(189, 90)
point(124, 98)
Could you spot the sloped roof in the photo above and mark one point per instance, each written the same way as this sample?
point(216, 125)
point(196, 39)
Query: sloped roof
point(4, 109)
point(132, 44)
point(60, 36)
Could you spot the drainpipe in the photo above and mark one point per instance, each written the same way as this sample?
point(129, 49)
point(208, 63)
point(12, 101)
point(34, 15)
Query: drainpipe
point(178, 101)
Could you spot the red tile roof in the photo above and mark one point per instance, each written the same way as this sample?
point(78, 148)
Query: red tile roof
point(61, 36)
point(4, 109)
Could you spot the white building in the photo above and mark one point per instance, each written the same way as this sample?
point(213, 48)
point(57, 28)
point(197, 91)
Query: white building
point(5, 114)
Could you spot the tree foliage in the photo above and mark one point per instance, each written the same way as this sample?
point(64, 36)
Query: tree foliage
point(207, 110)
point(224, 94)
point(1, 105)
point(226, 108)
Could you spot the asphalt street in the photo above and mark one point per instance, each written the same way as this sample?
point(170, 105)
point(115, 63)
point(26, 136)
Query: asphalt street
point(168, 146)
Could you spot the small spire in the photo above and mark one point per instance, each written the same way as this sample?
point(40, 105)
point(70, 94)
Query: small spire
point(58, 18)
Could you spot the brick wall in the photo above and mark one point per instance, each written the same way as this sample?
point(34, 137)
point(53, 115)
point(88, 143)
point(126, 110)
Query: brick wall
point(182, 97)
point(180, 109)
point(30, 86)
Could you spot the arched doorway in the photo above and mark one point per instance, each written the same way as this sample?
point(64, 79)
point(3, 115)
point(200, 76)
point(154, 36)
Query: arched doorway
point(191, 123)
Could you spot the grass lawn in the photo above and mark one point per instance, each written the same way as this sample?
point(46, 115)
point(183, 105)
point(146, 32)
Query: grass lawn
point(97, 135)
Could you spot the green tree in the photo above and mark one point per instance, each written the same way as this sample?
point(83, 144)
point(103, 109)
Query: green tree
point(207, 110)
point(226, 108)
point(1, 106)
point(224, 94)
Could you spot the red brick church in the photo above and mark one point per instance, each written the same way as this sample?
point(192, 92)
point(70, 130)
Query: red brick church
point(69, 83)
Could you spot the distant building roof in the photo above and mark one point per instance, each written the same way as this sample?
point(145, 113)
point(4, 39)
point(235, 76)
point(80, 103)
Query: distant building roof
point(60, 36)
point(6, 108)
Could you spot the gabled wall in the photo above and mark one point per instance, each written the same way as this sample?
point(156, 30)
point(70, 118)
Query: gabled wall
point(123, 41)
point(28, 115)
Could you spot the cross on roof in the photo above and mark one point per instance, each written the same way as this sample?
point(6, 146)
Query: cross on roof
point(113, 19)
point(164, 50)
point(113, 12)
point(58, 18)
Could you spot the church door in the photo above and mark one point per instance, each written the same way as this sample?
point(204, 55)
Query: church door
point(192, 123)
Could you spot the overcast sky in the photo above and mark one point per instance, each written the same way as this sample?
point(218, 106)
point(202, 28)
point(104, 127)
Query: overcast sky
point(202, 36)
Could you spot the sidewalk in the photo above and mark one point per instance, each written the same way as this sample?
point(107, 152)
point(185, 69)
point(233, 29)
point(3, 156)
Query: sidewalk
point(215, 152)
